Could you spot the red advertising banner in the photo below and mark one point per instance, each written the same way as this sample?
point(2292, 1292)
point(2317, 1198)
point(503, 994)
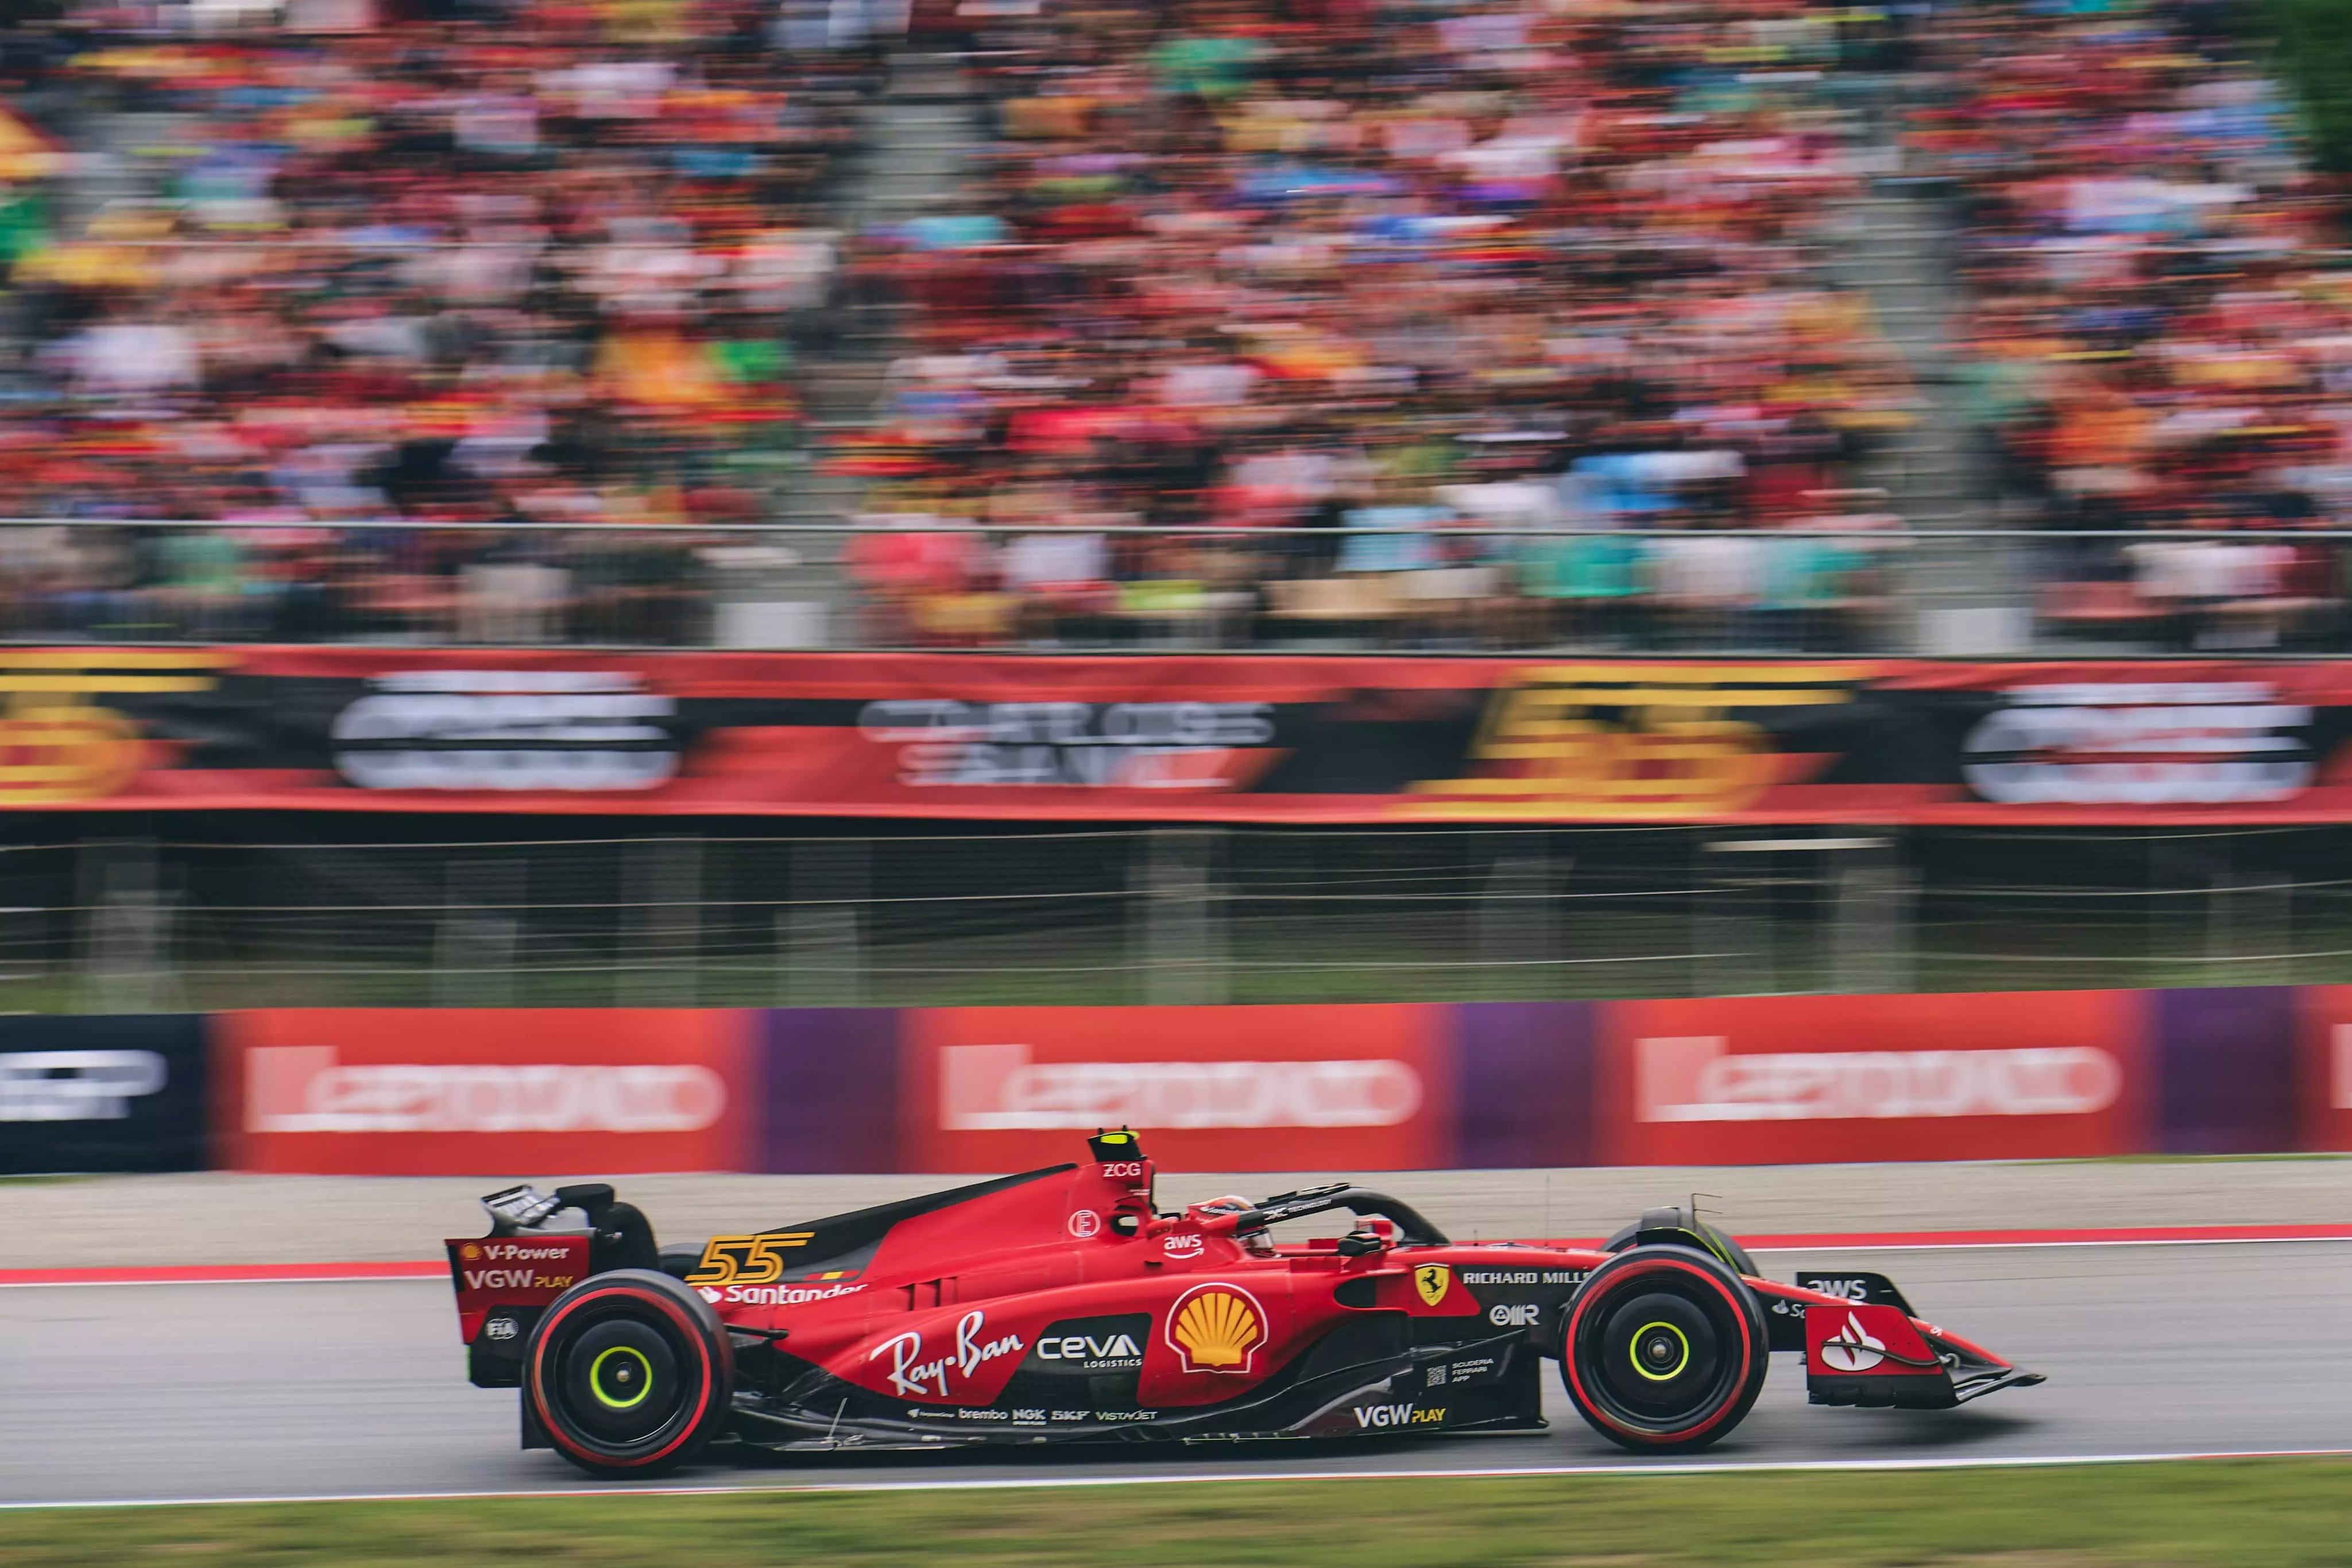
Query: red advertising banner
point(1233, 737)
point(462, 1092)
point(2324, 1066)
point(1805, 1079)
point(1217, 1088)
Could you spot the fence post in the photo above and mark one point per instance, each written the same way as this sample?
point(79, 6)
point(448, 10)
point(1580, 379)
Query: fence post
point(662, 928)
point(1519, 921)
point(126, 929)
point(1183, 932)
point(1871, 933)
point(1731, 946)
point(820, 933)
point(473, 942)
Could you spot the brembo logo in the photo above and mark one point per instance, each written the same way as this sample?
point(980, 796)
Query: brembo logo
point(1696, 1079)
point(76, 1085)
point(506, 729)
point(996, 1088)
point(301, 1089)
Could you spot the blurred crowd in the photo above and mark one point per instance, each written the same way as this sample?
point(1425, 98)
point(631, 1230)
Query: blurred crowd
point(546, 263)
point(1266, 276)
point(1417, 322)
point(2159, 326)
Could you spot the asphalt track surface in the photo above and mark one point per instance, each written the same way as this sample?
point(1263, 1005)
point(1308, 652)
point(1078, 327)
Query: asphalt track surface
point(130, 1393)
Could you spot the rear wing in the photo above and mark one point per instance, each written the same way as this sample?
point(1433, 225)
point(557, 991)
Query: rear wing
point(505, 1280)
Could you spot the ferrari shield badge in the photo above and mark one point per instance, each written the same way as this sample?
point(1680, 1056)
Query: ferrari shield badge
point(1433, 1281)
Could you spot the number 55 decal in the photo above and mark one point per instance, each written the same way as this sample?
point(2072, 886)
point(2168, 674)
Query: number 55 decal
point(746, 1260)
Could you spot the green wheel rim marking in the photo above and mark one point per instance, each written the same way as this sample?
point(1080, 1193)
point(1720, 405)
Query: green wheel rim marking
point(596, 1380)
point(1667, 1376)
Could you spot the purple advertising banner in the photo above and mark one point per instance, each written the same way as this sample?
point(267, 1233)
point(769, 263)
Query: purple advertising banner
point(832, 1076)
point(1524, 1087)
point(2225, 1070)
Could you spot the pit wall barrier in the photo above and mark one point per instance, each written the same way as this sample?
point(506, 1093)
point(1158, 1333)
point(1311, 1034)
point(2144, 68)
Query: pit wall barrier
point(1739, 1080)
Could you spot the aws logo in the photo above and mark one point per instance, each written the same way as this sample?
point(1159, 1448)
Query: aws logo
point(1216, 1328)
point(1433, 1281)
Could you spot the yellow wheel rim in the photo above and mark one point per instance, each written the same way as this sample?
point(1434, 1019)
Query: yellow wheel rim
point(1681, 1361)
point(596, 1378)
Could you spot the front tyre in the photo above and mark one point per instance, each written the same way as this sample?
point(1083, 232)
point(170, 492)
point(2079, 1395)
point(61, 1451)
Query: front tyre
point(1665, 1349)
point(629, 1373)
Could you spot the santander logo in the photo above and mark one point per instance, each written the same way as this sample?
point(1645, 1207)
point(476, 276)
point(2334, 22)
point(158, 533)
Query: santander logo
point(1852, 1348)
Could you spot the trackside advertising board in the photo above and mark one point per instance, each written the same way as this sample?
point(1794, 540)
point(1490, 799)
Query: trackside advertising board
point(1714, 1081)
point(1219, 1088)
point(462, 1092)
point(1265, 738)
point(102, 1094)
point(1805, 1079)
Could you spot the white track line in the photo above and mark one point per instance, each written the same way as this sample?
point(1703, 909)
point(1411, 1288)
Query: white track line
point(1220, 1477)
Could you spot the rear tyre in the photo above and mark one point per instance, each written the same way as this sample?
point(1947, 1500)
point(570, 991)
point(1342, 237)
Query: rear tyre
point(1665, 1349)
point(630, 1373)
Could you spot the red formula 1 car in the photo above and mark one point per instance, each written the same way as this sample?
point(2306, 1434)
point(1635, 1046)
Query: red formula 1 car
point(1057, 1306)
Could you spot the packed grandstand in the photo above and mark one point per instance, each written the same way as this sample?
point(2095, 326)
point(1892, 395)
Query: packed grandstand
point(1342, 322)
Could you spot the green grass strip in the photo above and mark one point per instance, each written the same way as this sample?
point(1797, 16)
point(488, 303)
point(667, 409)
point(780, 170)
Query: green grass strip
point(2263, 1514)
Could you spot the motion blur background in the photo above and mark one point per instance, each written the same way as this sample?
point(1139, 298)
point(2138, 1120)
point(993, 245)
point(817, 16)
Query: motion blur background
point(845, 503)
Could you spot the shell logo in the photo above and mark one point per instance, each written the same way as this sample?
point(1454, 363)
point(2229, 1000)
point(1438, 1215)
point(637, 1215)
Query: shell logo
point(1216, 1328)
point(469, 1253)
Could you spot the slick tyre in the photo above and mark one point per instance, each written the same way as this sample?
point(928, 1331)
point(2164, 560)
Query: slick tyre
point(1726, 1247)
point(629, 1373)
point(1663, 1349)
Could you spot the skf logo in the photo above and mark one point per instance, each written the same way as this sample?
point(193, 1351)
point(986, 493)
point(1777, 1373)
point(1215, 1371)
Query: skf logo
point(1399, 1414)
point(1433, 1281)
point(1216, 1328)
point(1605, 742)
point(1512, 1314)
point(55, 746)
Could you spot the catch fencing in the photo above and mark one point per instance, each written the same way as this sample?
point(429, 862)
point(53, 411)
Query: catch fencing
point(236, 910)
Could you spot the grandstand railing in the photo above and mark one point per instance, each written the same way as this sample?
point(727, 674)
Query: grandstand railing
point(1473, 587)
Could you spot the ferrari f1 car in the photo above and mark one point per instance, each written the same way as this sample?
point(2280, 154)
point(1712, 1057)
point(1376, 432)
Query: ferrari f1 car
point(1059, 1306)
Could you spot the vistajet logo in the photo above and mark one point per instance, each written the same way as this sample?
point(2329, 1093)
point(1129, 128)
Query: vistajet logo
point(301, 1089)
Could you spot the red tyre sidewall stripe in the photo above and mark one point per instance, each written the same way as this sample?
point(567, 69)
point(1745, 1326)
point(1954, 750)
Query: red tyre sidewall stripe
point(693, 1331)
point(1747, 1346)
